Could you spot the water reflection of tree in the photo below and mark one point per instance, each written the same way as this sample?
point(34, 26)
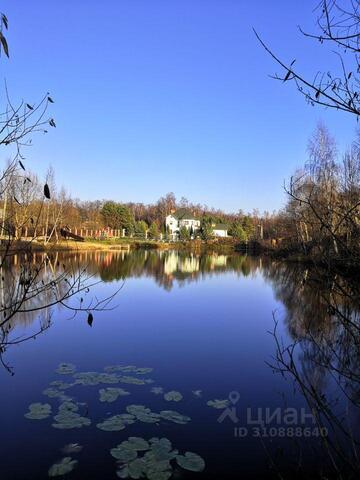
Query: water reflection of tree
point(29, 305)
point(168, 267)
point(165, 267)
point(322, 315)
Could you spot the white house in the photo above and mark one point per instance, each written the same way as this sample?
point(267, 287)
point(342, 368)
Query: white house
point(181, 218)
point(220, 230)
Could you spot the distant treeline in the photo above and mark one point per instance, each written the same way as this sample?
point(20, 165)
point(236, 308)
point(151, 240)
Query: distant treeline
point(321, 217)
point(24, 209)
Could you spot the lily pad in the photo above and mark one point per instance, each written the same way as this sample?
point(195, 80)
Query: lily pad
point(191, 461)
point(155, 464)
point(128, 369)
point(156, 475)
point(95, 378)
point(111, 394)
point(143, 370)
point(150, 417)
point(68, 407)
point(173, 396)
point(132, 380)
point(136, 443)
point(157, 469)
point(52, 392)
point(123, 454)
point(161, 453)
point(157, 390)
point(66, 369)
point(143, 414)
point(175, 417)
point(68, 418)
point(38, 411)
point(60, 385)
point(123, 472)
point(71, 448)
point(66, 465)
point(116, 423)
point(218, 404)
point(137, 468)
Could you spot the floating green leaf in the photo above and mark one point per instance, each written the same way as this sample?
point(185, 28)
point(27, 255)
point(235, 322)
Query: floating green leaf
point(38, 411)
point(68, 418)
point(61, 385)
point(157, 469)
point(123, 454)
point(155, 464)
point(143, 370)
point(123, 472)
point(116, 423)
point(156, 475)
point(68, 407)
point(53, 393)
point(143, 414)
point(136, 443)
point(66, 465)
point(66, 369)
point(191, 461)
point(94, 378)
point(174, 416)
point(71, 448)
point(137, 468)
point(161, 452)
point(173, 396)
point(133, 380)
point(111, 394)
point(218, 404)
point(128, 369)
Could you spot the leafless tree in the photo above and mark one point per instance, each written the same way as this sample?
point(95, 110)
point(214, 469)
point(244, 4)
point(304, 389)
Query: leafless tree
point(40, 283)
point(338, 31)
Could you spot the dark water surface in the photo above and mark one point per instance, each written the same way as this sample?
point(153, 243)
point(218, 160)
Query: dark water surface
point(202, 323)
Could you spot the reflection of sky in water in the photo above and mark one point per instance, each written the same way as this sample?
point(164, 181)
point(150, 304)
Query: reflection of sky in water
point(210, 334)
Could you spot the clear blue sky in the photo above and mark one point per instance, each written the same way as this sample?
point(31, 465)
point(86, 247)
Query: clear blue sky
point(156, 95)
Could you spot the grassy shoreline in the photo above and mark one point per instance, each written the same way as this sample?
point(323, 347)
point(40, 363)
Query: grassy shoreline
point(198, 246)
point(223, 246)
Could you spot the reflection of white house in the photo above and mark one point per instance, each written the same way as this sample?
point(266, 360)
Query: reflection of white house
point(181, 218)
point(171, 262)
point(176, 263)
point(220, 230)
point(218, 261)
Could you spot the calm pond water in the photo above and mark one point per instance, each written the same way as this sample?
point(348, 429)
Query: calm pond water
point(203, 324)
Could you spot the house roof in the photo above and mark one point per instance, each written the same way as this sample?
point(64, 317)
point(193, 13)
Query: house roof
point(220, 226)
point(184, 213)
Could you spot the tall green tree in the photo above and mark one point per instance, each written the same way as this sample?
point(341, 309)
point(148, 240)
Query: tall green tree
point(237, 231)
point(154, 231)
point(248, 226)
point(206, 229)
point(116, 215)
point(141, 229)
point(184, 233)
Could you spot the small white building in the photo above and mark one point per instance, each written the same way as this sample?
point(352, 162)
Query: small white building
point(179, 219)
point(220, 230)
